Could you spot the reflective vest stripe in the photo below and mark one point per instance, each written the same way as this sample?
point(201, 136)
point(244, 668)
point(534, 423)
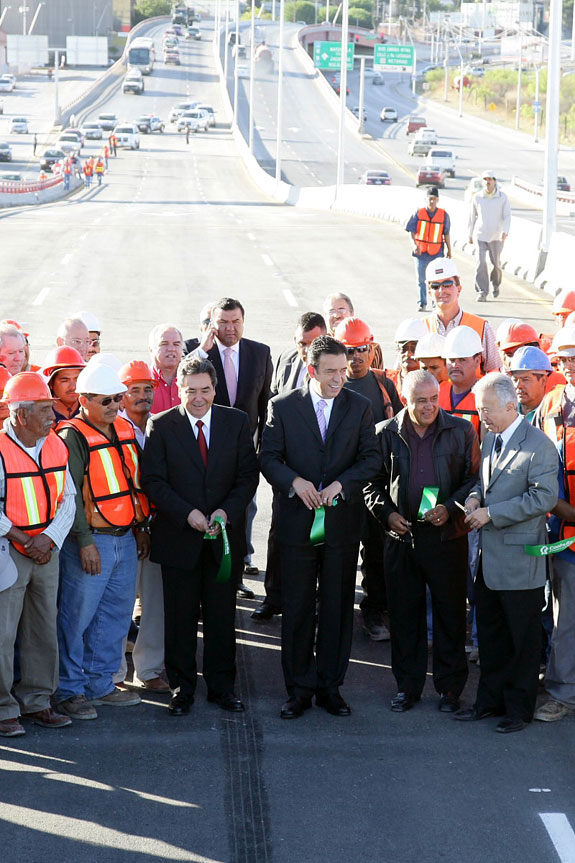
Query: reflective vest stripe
point(108, 465)
point(131, 449)
point(429, 231)
point(465, 409)
point(30, 500)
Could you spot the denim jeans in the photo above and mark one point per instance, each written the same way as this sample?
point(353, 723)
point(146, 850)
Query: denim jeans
point(94, 613)
point(421, 262)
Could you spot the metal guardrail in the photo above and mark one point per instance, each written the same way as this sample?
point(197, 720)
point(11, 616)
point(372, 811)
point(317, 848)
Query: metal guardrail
point(22, 187)
point(534, 189)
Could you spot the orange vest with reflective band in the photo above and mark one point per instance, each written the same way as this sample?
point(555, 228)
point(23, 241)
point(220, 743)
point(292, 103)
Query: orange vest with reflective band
point(551, 411)
point(99, 169)
point(112, 492)
point(394, 375)
point(554, 379)
point(467, 320)
point(429, 231)
point(466, 408)
point(33, 491)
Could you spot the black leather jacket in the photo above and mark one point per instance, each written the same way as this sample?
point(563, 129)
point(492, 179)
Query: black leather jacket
point(456, 456)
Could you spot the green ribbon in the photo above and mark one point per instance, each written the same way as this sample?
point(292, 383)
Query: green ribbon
point(550, 548)
point(317, 532)
point(428, 500)
point(225, 569)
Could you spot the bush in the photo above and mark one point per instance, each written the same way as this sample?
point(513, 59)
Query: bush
point(150, 8)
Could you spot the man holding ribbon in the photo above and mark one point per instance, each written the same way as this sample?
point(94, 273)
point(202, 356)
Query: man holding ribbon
point(200, 471)
point(318, 451)
point(516, 489)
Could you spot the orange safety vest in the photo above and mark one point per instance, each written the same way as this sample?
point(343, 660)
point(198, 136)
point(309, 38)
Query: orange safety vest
point(112, 492)
point(395, 376)
point(466, 408)
point(553, 380)
point(552, 423)
point(33, 491)
point(380, 375)
point(88, 169)
point(467, 320)
point(99, 168)
point(429, 231)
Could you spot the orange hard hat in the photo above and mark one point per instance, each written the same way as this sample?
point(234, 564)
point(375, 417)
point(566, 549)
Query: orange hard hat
point(136, 371)
point(4, 378)
point(15, 324)
point(518, 335)
point(564, 302)
point(27, 387)
point(353, 332)
point(62, 357)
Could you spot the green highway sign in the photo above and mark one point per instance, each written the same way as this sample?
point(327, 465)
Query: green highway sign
point(327, 55)
point(394, 58)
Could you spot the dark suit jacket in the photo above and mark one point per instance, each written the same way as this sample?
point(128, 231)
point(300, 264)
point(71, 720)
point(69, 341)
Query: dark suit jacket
point(253, 382)
point(176, 481)
point(286, 372)
point(292, 446)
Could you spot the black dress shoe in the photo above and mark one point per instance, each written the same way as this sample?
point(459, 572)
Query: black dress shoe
point(265, 611)
point(227, 701)
point(333, 703)
point(245, 591)
point(403, 701)
point(295, 707)
point(508, 725)
point(250, 569)
point(180, 704)
point(449, 703)
point(473, 714)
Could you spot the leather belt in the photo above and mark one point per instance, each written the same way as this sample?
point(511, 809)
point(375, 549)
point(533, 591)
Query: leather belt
point(118, 531)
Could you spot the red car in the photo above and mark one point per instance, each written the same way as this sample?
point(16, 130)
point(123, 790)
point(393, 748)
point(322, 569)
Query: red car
point(414, 123)
point(430, 175)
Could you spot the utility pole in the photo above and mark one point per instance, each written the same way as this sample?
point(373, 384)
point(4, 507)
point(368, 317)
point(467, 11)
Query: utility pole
point(279, 116)
point(537, 109)
point(519, 70)
point(361, 127)
point(342, 93)
point(252, 76)
point(552, 123)
point(236, 58)
point(446, 64)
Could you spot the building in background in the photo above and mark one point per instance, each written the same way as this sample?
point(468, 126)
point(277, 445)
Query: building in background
point(58, 19)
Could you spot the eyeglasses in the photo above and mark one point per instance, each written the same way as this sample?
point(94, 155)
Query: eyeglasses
point(360, 349)
point(78, 343)
point(94, 343)
point(109, 399)
point(448, 283)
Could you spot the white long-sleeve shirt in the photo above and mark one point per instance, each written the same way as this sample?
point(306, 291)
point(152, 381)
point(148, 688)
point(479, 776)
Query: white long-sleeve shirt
point(489, 216)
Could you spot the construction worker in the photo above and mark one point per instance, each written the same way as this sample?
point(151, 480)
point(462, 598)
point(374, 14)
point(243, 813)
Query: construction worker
point(429, 227)
point(4, 378)
point(530, 369)
point(407, 335)
point(94, 332)
point(443, 281)
point(88, 171)
point(429, 354)
point(106, 155)
point(108, 537)
point(563, 305)
point(27, 366)
point(67, 169)
point(38, 504)
point(462, 351)
point(61, 369)
point(99, 169)
point(516, 335)
point(113, 141)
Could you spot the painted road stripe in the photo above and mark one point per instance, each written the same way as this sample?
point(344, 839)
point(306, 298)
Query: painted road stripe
point(267, 260)
point(39, 299)
point(561, 833)
point(290, 299)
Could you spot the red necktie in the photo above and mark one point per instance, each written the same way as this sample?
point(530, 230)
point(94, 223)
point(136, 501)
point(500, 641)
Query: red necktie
point(202, 443)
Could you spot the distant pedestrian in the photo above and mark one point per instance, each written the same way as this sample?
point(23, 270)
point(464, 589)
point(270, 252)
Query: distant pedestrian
point(429, 227)
point(88, 171)
point(106, 156)
point(99, 169)
point(35, 143)
point(187, 134)
point(113, 141)
point(67, 171)
point(489, 219)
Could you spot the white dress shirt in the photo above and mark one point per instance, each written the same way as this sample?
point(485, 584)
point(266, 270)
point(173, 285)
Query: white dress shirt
point(207, 421)
point(316, 396)
point(506, 436)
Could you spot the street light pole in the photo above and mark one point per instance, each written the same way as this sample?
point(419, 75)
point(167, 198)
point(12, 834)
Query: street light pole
point(446, 64)
point(552, 123)
point(226, 46)
point(520, 68)
point(342, 93)
point(461, 86)
point(537, 111)
point(236, 79)
point(572, 54)
point(279, 116)
point(361, 127)
point(252, 76)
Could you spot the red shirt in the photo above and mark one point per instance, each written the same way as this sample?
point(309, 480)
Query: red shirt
point(166, 395)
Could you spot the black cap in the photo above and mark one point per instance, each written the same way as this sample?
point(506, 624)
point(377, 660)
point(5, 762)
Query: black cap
point(433, 190)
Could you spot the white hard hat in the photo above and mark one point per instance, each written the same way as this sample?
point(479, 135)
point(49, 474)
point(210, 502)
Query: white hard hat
point(106, 359)
point(440, 269)
point(411, 330)
point(563, 344)
point(462, 342)
point(91, 321)
point(99, 379)
point(430, 345)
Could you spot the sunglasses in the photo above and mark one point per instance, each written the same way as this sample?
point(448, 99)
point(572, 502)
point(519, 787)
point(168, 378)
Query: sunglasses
point(109, 399)
point(435, 286)
point(361, 349)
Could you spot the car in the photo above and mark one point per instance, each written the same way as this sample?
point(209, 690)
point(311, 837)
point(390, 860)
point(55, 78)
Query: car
point(133, 82)
point(5, 152)
point(195, 33)
point(12, 77)
point(336, 85)
point(378, 79)
point(355, 111)
point(431, 175)
point(19, 125)
point(421, 73)
point(11, 177)
point(444, 158)
point(147, 123)
point(426, 134)
point(50, 158)
point(68, 144)
point(477, 71)
point(77, 133)
point(388, 114)
point(172, 58)
point(195, 121)
point(415, 122)
point(418, 147)
point(375, 178)
point(171, 42)
point(6, 84)
point(563, 184)
point(107, 122)
point(91, 131)
point(210, 112)
point(179, 109)
point(473, 187)
point(127, 136)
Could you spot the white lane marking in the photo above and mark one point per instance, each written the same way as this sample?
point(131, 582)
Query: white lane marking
point(66, 260)
point(39, 299)
point(561, 833)
point(267, 260)
point(290, 299)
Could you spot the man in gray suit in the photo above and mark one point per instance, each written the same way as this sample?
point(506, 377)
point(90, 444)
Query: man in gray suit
point(517, 487)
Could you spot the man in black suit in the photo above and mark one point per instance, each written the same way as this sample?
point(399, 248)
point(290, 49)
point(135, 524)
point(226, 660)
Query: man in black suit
point(318, 447)
point(199, 465)
point(244, 369)
point(289, 374)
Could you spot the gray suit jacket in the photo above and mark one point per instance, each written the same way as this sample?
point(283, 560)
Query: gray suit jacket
point(519, 493)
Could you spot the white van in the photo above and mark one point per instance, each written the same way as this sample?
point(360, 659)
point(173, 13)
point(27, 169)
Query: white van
point(128, 136)
point(443, 158)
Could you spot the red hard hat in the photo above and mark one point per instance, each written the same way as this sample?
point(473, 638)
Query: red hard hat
point(15, 324)
point(62, 357)
point(517, 335)
point(27, 387)
point(564, 302)
point(353, 332)
point(4, 378)
point(137, 371)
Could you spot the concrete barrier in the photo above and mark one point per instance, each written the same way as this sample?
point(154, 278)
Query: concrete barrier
point(16, 194)
point(556, 273)
point(531, 193)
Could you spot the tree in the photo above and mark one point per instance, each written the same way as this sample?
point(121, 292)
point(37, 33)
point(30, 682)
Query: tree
point(150, 8)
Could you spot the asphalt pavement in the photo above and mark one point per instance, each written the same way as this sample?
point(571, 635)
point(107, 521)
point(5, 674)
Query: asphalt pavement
point(173, 227)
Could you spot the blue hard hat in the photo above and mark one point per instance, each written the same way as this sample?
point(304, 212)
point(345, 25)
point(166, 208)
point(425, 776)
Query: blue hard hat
point(530, 359)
